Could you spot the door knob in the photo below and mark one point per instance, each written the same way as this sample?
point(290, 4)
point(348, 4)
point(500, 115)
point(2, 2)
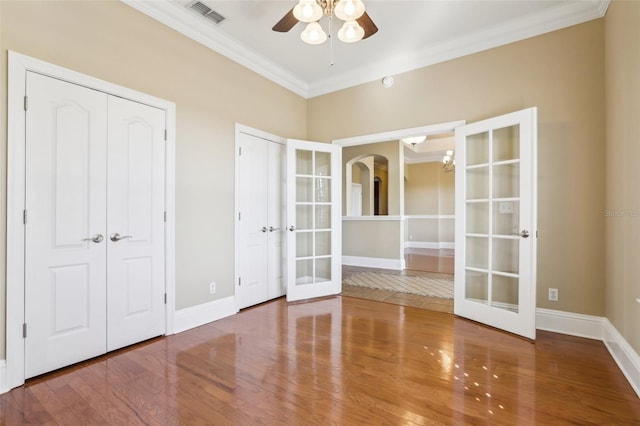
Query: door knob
point(264, 229)
point(96, 238)
point(271, 229)
point(115, 237)
point(292, 228)
point(524, 233)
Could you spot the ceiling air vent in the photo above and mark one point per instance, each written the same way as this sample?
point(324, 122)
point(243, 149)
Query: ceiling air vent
point(207, 12)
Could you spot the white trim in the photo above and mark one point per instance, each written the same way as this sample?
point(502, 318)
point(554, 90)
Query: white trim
point(381, 218)
point(430, 245)
point(580, 325)
point(3, 377)
point(184, 21)
point(181, 19)
point(17, 67)
point(627, 359)
point(374, 262)
point(598, 328)
point(430, 216)
point(394, 135)
point(195, 316)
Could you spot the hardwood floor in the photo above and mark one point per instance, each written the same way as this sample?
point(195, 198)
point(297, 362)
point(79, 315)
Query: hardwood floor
point(339, 361)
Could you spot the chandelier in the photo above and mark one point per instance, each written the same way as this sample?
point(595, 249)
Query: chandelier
point(311, 11)
point(449, 162)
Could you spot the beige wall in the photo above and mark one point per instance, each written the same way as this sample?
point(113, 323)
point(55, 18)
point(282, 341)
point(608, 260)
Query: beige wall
point(372, 238)
point(622, 207)
point(429, 190)
point(111, 41)
point(562, 73)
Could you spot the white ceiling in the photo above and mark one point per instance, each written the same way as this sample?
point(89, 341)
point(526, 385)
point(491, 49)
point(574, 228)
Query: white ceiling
point(412, 34)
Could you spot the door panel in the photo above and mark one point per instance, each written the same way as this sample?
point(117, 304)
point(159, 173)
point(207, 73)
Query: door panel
point(253, 224)
point(65, 275)
point(276, 218)
point(313, 215)
point(495, 222)
point(136, 287)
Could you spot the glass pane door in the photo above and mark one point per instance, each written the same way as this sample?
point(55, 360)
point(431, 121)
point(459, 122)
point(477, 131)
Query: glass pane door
point(313, 209)
point(495, 195)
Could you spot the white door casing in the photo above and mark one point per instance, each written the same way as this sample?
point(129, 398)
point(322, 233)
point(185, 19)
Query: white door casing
point(260, 188)
point(314, 237)
point(135, 212)
point(65, 276)
point(495, 262)
point(12, 374)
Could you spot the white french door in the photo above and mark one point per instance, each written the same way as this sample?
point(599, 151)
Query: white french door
point(94, 233)
point(314, 264)
point(495, 262)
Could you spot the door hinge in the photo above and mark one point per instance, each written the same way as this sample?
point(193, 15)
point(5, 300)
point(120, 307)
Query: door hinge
point(238, 215)
point(165, 134)
point(26, 103)
point(240, 151)
point(239, 280)
point(165, 298)
point(24, 330)
point(536, 234)
point(165, 215)
point(24, 216)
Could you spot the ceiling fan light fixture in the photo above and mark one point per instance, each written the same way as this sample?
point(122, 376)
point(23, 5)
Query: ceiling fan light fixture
point(313, 34)
point(307, 11)
point(351, 32)
point(349, 10)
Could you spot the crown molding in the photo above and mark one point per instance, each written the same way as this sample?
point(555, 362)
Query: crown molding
point(550, 20)
point(184, 21)
point(181, 19)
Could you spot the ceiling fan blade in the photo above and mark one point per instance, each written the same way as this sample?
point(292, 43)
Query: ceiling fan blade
point(286, 23)
point(367, 24)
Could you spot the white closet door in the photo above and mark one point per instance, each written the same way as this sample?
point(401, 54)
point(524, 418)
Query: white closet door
point(65, 274)
point(253, 227)
point(135, 256)
point(276, 218)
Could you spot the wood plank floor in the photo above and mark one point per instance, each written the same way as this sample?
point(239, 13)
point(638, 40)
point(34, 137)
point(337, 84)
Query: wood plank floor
point(338, 361)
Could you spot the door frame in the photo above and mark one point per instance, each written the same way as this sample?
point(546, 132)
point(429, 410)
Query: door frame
point(12, 374)
point(430, 129)
point(268, 137)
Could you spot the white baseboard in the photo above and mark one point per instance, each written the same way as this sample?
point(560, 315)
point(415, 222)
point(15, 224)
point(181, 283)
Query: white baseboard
point(579, 325)
point(627, 359)
point(430, 245)
point(4, 386)
point(598, 328)
point(373, 262)
point(195, 316)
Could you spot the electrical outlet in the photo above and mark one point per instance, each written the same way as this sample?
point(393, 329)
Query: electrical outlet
point(553, 294)
point(212, 288)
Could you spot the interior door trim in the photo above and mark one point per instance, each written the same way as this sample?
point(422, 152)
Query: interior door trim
point(18, 65)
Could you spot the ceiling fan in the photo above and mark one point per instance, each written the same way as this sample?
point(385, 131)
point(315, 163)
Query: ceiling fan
point(357, 23)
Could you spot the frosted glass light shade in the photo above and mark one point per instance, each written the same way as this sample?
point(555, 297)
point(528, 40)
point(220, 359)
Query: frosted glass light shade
point(313, 34)
point(414, 140)
point(350, 32)
point(307, 11)
point(349, 10)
